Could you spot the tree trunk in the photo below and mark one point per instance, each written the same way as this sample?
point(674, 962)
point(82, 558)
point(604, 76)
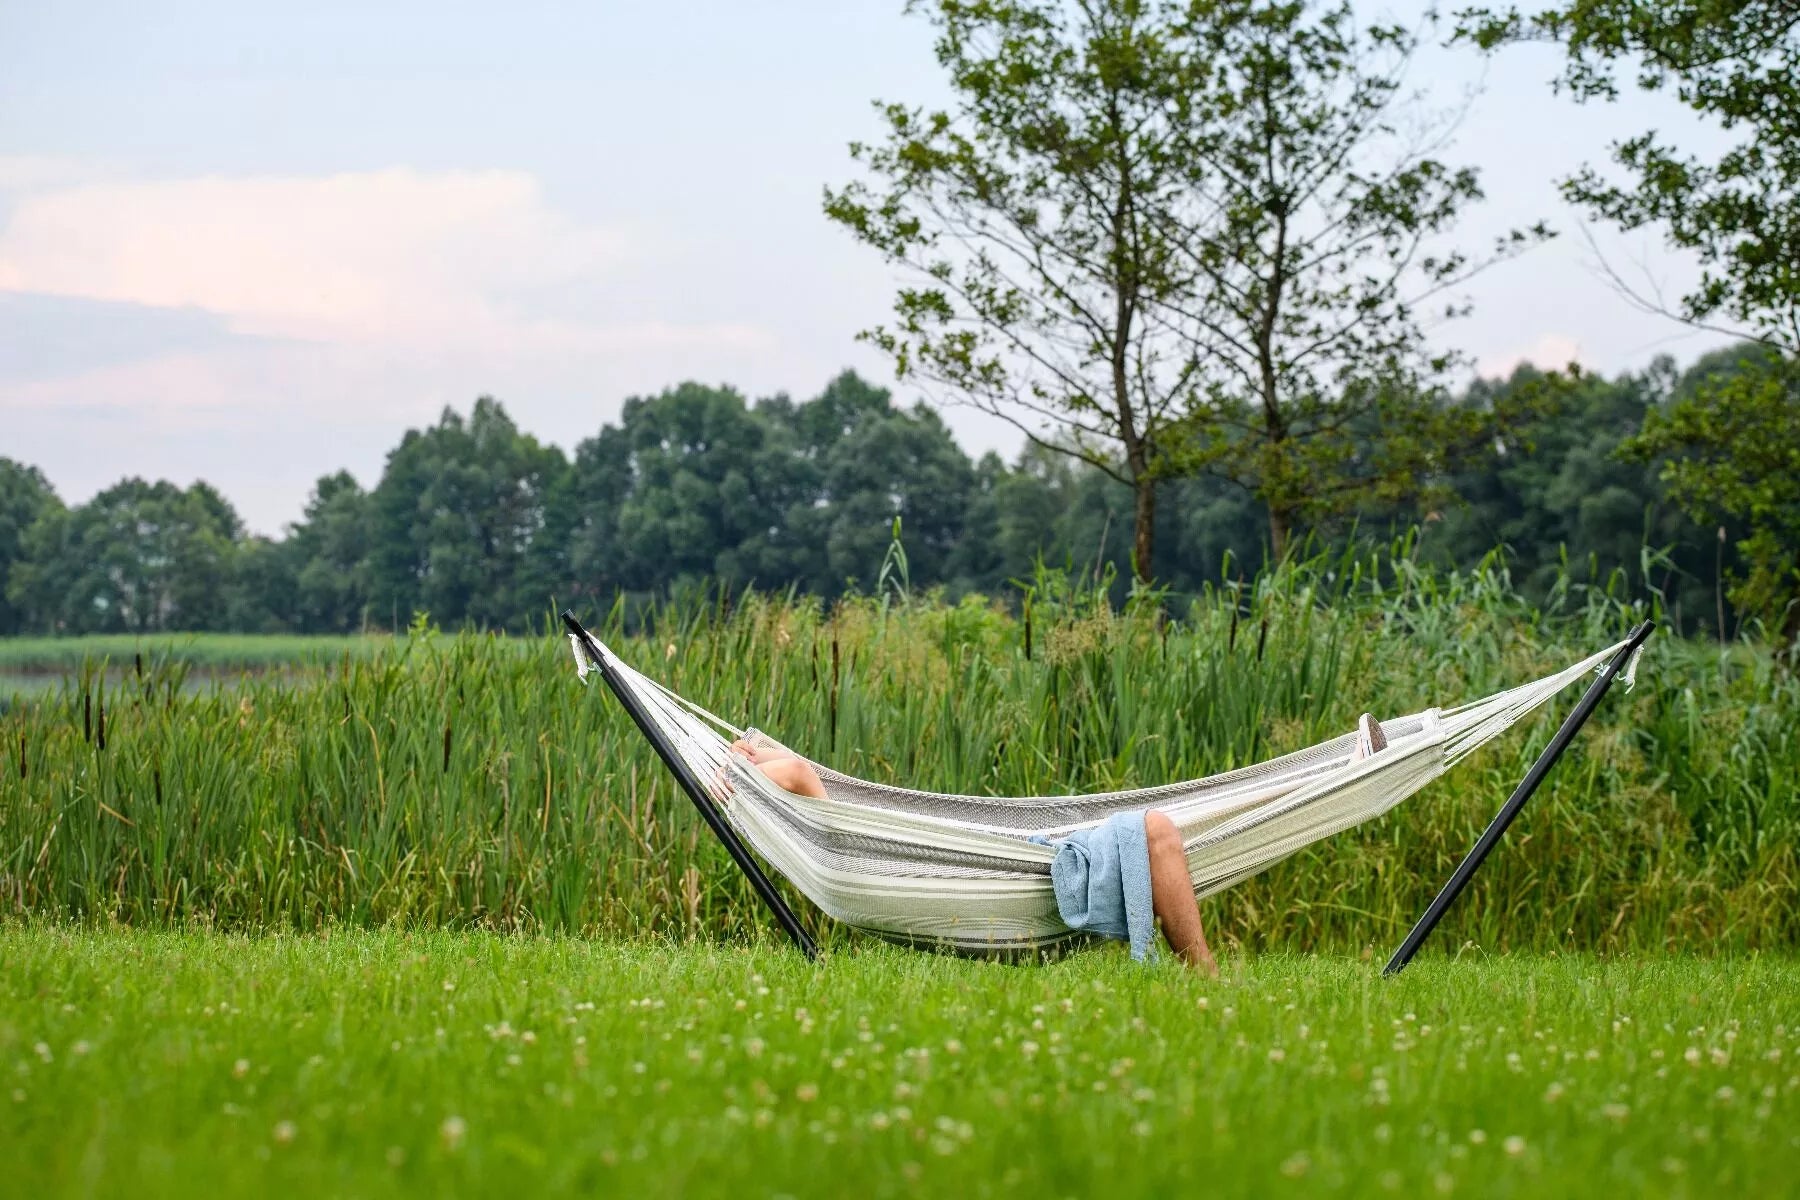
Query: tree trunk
point(1280, 526)
point(1143, 527)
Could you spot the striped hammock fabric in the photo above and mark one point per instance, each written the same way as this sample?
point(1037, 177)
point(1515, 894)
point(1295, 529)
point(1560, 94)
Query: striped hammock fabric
point(961, 872)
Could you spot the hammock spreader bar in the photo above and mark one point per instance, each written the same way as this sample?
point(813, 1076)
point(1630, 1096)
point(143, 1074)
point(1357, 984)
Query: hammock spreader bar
point(696, 791)
point(1490, 837)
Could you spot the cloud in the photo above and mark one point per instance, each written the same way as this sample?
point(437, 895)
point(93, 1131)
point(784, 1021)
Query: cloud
point(1551, 352)
point(394, 274)
point(258, 331)
point(395, 256)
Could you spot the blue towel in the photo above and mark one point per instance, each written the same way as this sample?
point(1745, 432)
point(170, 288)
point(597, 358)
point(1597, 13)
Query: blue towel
point(1102, 881)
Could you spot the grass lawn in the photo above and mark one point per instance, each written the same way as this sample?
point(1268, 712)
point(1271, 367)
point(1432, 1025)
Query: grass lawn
point(367, 1063)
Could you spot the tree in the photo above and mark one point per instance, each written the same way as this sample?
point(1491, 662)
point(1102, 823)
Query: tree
point(262, 593)
point(1034, 213)
point(330, 549)
point(454, 518)
point(139, 558)
point(1563, 502)
point(1734, 455)
point(1736, 65)
point(1322, 212)
point(25, 497)
point(864, 463)
point(1187, 235)
point(697, 485)
point(690, 486)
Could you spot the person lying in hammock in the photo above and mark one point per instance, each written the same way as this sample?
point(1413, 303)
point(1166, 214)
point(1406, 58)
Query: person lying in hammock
point(1110, 880)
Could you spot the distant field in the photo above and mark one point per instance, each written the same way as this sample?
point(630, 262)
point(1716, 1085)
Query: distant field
point(210, 651)
point(378, 1063)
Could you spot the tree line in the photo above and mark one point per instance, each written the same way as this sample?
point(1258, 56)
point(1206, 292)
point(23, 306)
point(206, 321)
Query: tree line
point(476, 522)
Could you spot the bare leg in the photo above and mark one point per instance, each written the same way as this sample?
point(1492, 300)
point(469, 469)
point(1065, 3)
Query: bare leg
point(793, 774)
point(1172, 893)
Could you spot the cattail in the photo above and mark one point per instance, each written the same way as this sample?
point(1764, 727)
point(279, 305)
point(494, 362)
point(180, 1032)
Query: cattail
point(446, 746)
point(834, 686)
point(100, 727)
point(1027, 626)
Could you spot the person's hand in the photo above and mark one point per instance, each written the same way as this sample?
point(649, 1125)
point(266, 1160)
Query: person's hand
point(755, 753)
point(721, 786)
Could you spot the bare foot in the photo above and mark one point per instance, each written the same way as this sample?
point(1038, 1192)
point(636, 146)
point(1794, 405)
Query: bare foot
point(1370, 738)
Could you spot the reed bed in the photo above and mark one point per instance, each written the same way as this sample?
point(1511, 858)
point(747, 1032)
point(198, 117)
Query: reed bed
point(467, 780)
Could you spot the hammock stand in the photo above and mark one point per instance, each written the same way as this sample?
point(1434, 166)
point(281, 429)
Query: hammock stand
point(734, 844)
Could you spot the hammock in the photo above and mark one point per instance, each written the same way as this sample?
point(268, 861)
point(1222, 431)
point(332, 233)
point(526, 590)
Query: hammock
point(962, 872)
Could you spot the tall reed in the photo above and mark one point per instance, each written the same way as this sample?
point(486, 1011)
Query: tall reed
point(467, 780)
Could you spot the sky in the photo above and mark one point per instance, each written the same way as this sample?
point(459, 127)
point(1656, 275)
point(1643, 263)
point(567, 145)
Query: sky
point(255, 243)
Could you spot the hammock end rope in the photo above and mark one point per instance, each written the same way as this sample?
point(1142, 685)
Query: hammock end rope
point(582, 666)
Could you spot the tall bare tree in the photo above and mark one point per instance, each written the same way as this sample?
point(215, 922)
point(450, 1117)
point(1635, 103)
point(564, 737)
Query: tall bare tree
point(1324, 216)
point(1168, 237)
point(1036, 216)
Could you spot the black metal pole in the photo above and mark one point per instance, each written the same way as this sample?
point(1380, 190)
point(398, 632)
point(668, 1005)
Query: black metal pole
point(1490, 837)
point(696, 791)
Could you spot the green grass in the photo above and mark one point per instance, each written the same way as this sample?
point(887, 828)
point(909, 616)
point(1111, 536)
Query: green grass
point(374, 1063)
